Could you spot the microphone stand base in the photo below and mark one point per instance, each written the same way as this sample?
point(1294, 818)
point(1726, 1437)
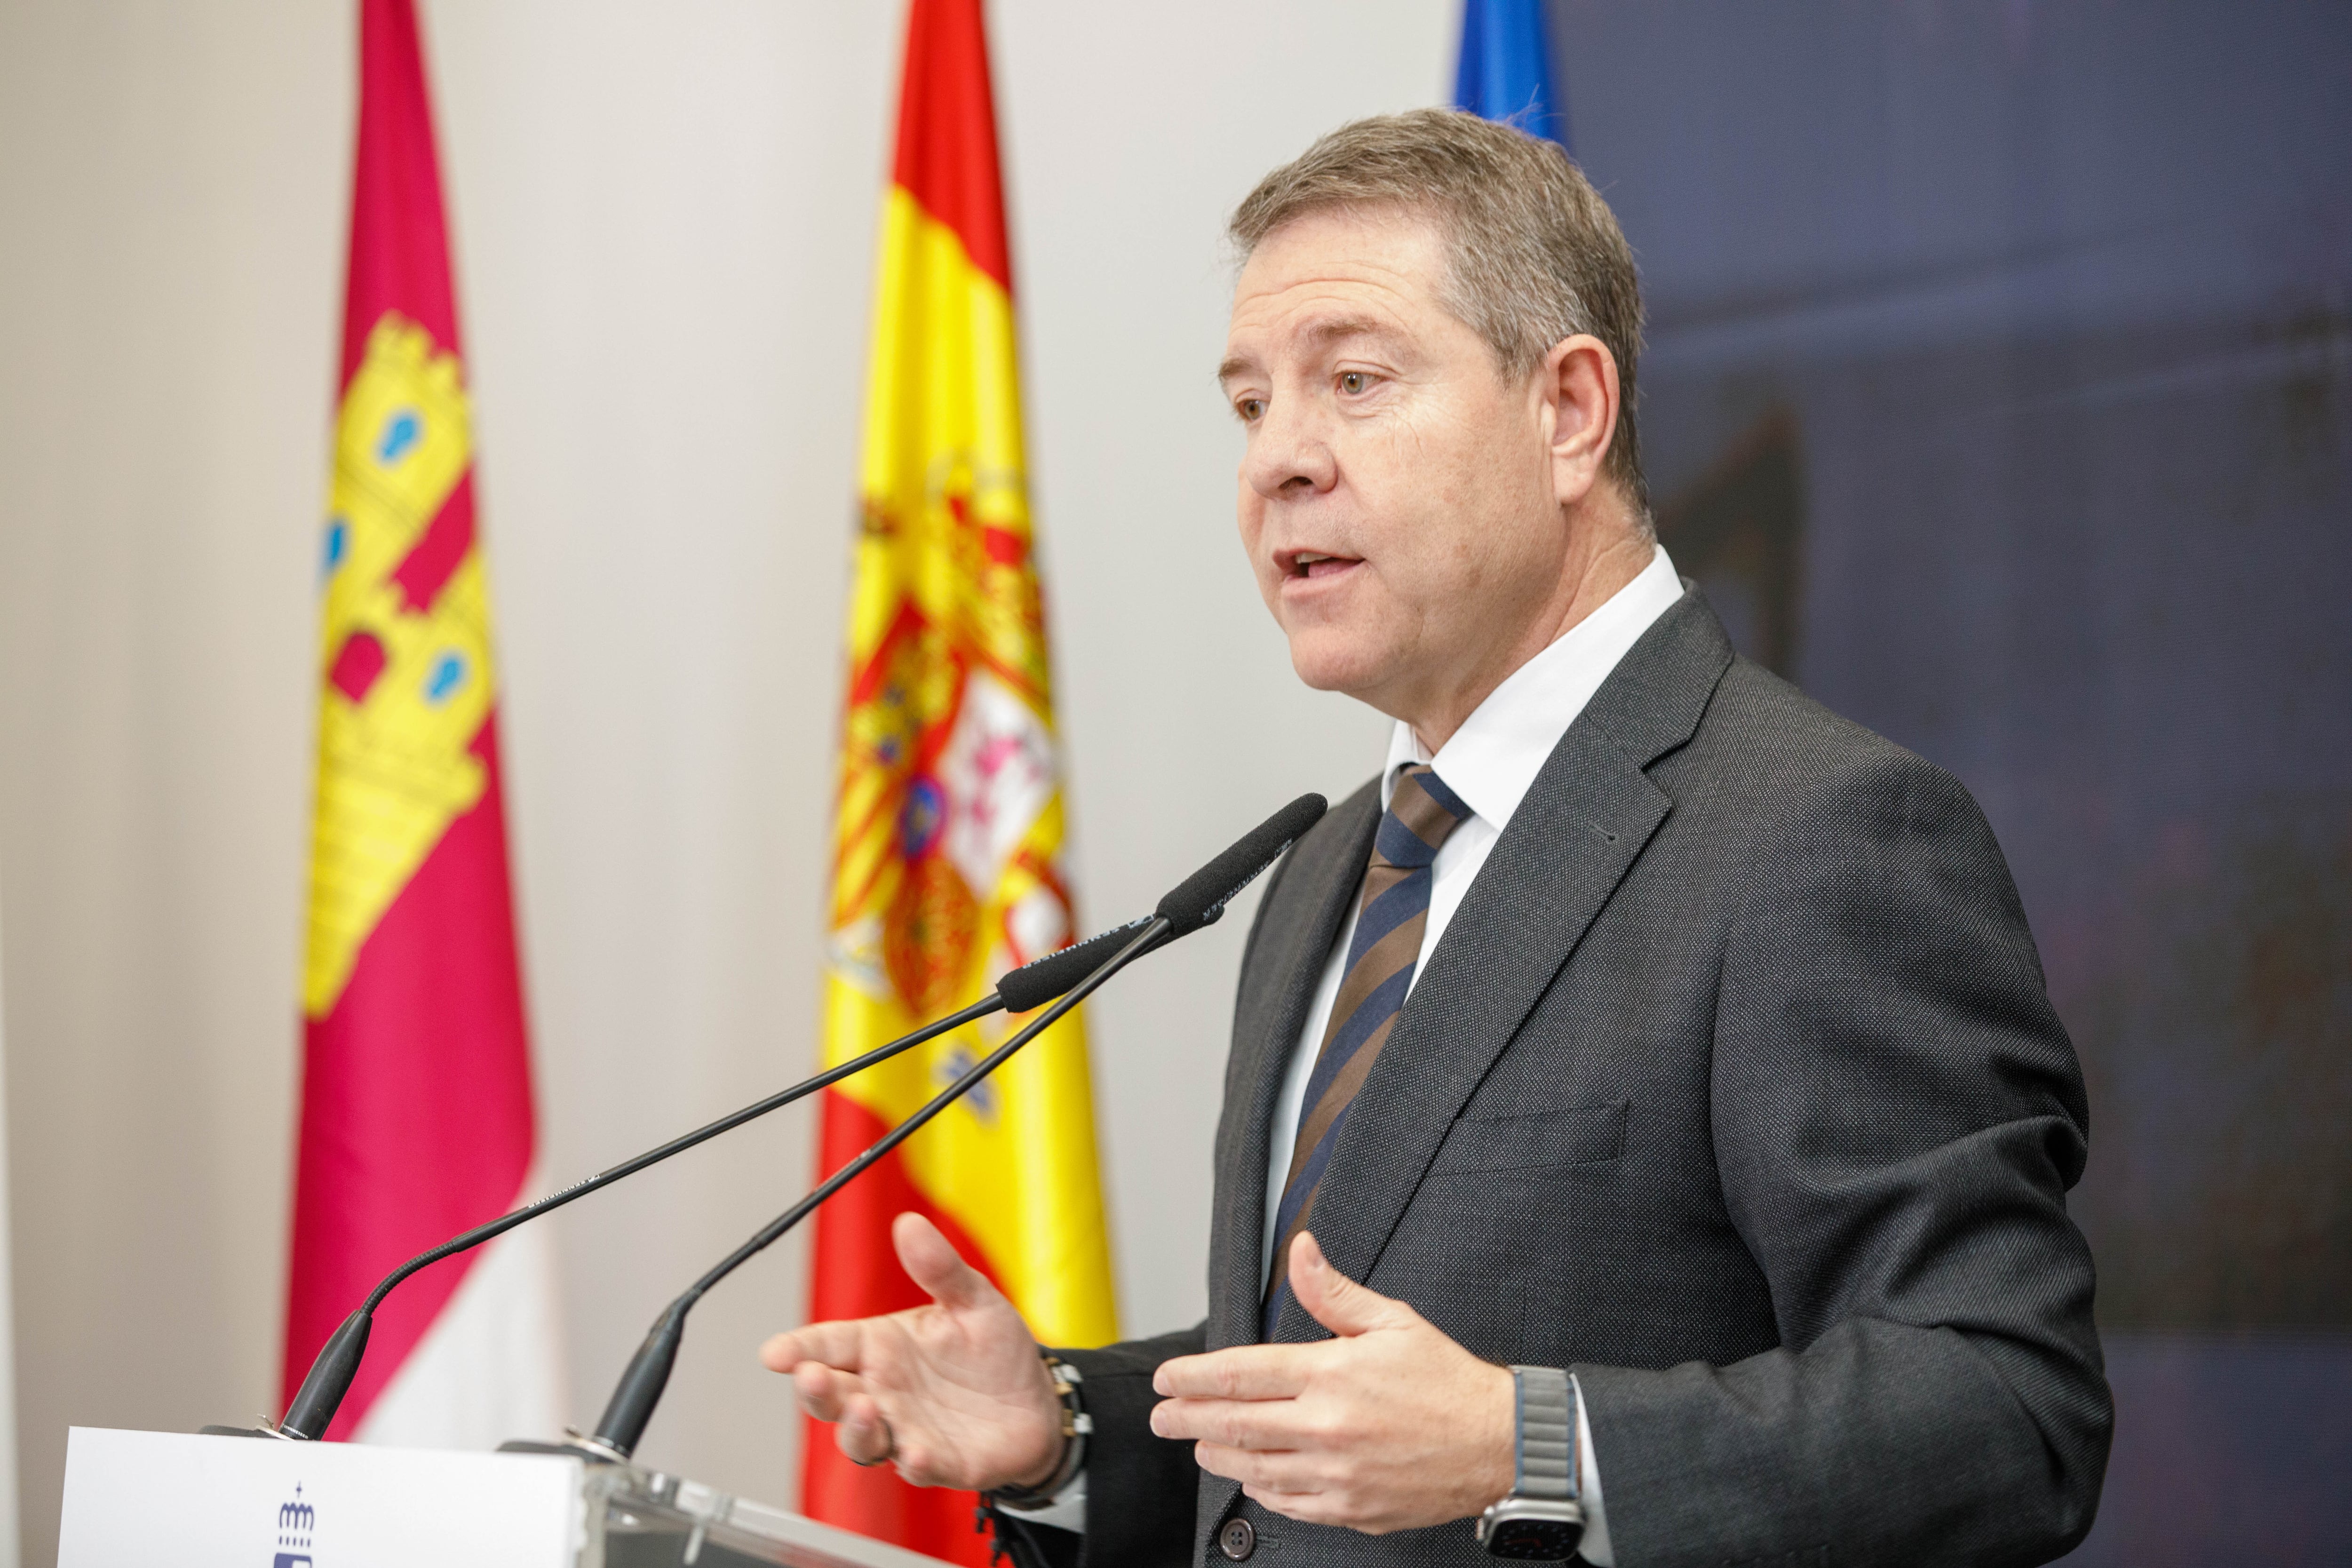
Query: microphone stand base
point(266, 1428)
point(573, 1446)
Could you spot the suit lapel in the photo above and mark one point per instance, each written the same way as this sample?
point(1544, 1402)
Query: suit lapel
point(1296, 927)
point(1574, 836)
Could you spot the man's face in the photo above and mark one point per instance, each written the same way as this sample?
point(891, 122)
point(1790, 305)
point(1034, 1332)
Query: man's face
point(1397, 493)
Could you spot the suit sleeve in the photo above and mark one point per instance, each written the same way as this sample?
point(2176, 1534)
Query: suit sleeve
point(1898, 1115)
point(1141, 1488)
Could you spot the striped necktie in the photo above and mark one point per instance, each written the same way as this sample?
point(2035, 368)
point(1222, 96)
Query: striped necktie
point(1391, 913)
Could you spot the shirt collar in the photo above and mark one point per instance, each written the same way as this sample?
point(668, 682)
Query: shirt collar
point(1491, 761)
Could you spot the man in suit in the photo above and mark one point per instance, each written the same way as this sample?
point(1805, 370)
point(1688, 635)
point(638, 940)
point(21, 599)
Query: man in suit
point(1646, 1130)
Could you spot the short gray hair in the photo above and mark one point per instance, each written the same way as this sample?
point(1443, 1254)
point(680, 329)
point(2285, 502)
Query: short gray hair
point(1534, 254)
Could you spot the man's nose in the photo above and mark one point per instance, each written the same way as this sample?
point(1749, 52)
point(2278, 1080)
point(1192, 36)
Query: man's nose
point(1288, 457)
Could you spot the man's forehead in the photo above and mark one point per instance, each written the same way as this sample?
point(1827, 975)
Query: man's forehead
point(1330, 276)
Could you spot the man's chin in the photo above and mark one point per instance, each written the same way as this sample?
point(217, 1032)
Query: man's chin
point(1350, 671)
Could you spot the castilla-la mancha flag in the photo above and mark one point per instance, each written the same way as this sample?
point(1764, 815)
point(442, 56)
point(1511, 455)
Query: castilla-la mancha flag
point(416, 1092)
point(948, 843)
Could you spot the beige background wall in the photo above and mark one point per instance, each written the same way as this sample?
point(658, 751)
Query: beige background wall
point(664, 229)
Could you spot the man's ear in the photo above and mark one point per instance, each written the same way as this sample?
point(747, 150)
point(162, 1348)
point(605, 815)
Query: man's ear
point(1578, 384)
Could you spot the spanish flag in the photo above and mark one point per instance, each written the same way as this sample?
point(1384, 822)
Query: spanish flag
point(416, 1090)
point(948, 838)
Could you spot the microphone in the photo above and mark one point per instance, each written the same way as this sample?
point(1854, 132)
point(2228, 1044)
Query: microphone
point(1198, 901)
point(338, 1362)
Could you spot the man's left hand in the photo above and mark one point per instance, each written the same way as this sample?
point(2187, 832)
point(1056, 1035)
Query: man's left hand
point(1391, 1425)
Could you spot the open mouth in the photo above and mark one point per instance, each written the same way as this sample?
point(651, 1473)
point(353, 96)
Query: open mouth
point(1313, 564)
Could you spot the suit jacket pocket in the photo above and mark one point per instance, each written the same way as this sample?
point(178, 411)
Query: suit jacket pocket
point(1570, 1135)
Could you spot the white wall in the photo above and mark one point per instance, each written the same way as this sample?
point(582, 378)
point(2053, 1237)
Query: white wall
point(663, 226)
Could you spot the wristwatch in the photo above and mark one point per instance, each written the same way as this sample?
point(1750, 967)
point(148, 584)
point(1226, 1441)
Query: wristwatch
point(1076, 1425)
point(1542, 1520)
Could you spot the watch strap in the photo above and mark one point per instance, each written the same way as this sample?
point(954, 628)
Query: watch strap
point(1545, 1457)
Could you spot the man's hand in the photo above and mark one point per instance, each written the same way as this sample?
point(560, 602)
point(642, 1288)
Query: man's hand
point(954, 1394)
point(1389, 1426)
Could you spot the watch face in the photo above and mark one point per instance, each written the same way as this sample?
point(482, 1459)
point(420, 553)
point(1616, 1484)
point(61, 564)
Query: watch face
point(1534, 1539)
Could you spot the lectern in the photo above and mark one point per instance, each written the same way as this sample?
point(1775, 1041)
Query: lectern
point(134, 1498)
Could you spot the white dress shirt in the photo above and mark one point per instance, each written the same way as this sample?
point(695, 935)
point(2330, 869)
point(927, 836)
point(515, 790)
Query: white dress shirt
point(1491, 763)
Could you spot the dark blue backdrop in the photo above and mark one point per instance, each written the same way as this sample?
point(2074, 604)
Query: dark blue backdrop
point(2000, 388)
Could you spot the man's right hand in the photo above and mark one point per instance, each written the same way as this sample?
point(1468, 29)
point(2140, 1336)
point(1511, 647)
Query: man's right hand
point(954, 1394)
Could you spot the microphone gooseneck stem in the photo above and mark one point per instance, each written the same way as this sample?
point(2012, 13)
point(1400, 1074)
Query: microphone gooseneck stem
point(329, 1379)
point(640, 1388)
point(338, 1362)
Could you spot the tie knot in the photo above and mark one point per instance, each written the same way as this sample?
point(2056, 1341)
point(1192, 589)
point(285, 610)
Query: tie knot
point(1421, 812)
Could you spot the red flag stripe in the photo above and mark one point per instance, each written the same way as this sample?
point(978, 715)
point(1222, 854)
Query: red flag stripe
point(856, 1274)
point(947, 131)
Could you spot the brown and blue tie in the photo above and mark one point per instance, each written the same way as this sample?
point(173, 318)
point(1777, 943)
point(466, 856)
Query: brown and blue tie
point(1391, 914)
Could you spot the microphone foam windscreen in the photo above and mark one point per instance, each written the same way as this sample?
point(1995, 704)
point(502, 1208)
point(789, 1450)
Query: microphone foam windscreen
point(1034, 985)
point(1202, 897)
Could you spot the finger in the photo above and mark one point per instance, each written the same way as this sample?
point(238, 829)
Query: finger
point(1335, 1301)
point(840, 1344)
point(823, 1392)
point(1244, 1372)
point(1259, 1424)
point(931, 1261)
point(863, 1436)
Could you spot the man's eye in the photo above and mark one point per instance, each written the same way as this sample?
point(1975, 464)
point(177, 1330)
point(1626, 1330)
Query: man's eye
point(1249, 408)
point(1353, 382)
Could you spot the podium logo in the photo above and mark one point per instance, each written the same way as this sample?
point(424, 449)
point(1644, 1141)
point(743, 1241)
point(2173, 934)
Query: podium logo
point(296, 1521)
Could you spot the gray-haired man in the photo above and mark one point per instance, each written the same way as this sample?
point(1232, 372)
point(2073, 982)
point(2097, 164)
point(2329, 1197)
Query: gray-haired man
point(1646, 1132)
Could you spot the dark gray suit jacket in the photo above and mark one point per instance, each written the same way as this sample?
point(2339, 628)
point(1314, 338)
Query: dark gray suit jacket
point(1733, 1086)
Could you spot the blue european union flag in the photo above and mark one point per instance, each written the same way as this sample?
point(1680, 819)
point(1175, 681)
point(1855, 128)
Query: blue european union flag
point(1505, 72)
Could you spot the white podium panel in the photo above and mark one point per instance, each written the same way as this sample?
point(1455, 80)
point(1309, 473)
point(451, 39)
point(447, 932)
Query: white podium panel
point(134, 1499)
